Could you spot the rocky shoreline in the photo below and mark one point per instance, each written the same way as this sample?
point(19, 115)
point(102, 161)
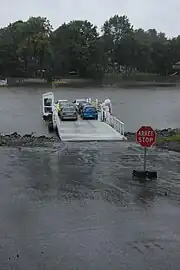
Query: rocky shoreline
point(164, 139)
point(28, 140)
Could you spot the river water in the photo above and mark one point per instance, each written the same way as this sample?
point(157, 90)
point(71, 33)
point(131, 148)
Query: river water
point(77, 206)
point(20, 107)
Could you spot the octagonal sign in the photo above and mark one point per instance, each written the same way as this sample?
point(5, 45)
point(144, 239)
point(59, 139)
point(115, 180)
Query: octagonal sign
point(146, 136)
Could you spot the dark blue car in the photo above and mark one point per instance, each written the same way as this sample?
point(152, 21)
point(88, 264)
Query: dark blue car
point(89, 112)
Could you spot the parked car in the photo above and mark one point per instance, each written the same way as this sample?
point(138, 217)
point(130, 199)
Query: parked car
point(89, 112)
point(68, 112)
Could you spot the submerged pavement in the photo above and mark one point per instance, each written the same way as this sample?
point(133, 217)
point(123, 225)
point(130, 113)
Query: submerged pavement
point(77, 207)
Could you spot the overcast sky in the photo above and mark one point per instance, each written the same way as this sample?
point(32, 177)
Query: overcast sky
point(160, 14)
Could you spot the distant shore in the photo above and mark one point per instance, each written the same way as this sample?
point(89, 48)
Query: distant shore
point(137, 84)
point(105, 83)
point(82, 83)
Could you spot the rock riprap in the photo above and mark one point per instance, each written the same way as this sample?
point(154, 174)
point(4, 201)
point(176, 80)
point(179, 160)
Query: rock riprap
point(16, 139)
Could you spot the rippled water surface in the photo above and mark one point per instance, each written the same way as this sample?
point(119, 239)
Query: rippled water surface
point(78, 208)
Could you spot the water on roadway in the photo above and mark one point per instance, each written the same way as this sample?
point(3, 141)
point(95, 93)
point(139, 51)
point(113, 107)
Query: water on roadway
point(78, 207)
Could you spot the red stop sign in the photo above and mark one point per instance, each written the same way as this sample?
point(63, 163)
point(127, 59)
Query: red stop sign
point(146, 136)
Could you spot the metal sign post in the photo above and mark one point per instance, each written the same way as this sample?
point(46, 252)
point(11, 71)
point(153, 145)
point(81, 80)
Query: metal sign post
point(146, 137)
point(145, 158)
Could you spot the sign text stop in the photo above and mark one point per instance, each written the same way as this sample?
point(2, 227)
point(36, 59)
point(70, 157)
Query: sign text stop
point(146, 136)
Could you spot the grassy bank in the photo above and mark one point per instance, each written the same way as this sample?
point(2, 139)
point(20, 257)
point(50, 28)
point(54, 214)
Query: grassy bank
point(172, 138)
point(137, 79)
point(111, 81)
point(166, 139)
point(171, 142)
point(141, 77)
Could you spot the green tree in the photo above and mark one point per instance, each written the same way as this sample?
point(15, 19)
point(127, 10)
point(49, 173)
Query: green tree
point(75, 45)
point(117, 27)
point(32, 48)
point(119, 36)
point(35, 45)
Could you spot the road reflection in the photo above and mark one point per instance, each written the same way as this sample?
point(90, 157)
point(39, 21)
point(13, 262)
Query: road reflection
point(80, 207)
point(147, 194)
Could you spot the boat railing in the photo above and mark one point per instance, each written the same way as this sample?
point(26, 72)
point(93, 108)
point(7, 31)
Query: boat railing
point(113, 121)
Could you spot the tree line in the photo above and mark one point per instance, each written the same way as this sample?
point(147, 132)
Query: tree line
point(32, 48)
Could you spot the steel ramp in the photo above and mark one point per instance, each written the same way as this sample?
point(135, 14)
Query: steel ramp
point(111, 129)
point(87, 130)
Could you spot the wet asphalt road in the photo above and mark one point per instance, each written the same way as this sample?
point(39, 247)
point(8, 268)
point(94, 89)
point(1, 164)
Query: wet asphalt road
point(78, 208)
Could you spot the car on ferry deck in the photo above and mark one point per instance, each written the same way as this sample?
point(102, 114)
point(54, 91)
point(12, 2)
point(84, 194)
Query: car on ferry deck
point(77, 102)
point(82, 105)
point(89, 112)
point(68, 112)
